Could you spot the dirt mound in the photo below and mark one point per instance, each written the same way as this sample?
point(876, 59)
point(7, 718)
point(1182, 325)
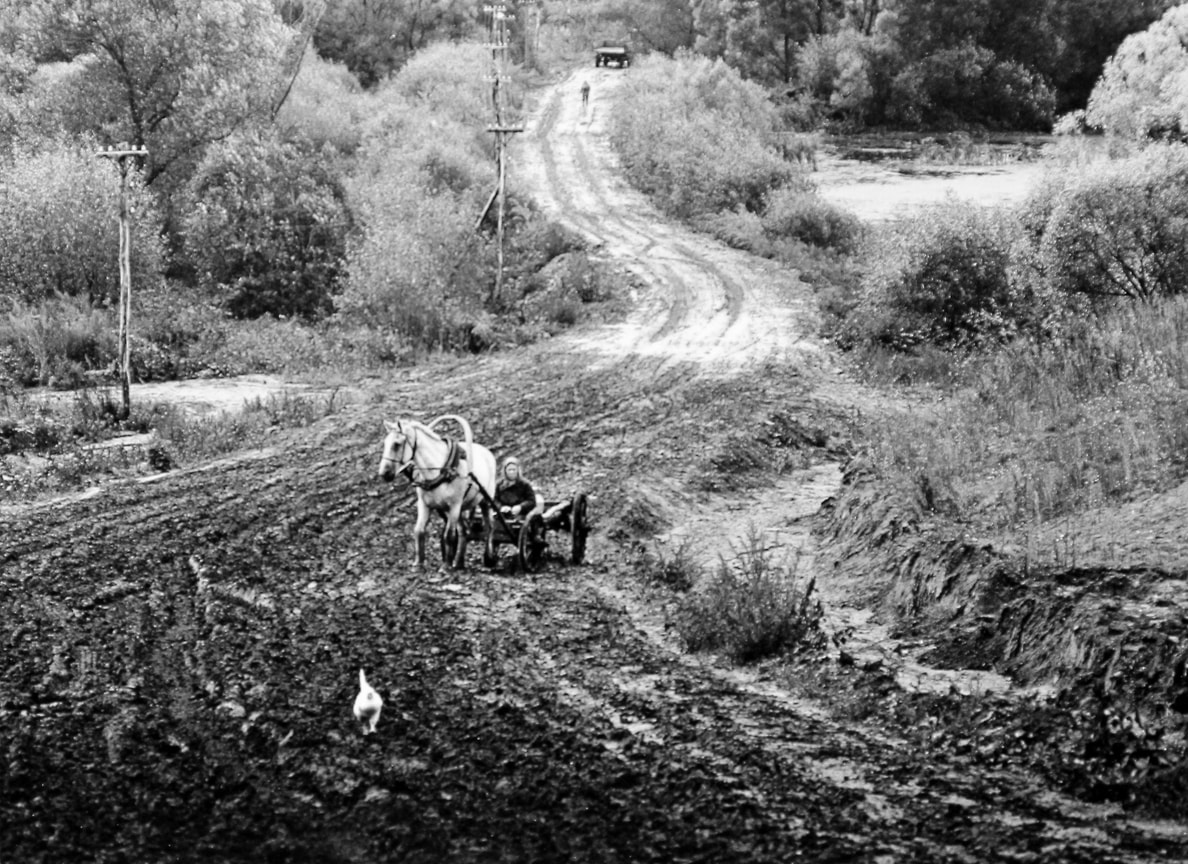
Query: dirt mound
point(1108, 640)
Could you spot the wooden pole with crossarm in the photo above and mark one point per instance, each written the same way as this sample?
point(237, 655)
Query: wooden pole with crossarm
point(120, 155)
point(503, 129)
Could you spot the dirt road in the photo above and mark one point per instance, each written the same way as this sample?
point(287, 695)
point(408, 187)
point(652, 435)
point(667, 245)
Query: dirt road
point(178, 658)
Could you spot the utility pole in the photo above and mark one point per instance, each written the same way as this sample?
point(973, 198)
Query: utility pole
point(120, 154)
point(503, 128)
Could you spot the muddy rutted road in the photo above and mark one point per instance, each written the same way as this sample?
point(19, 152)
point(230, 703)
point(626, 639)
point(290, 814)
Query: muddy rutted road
point(178, 659)
point(706, 303)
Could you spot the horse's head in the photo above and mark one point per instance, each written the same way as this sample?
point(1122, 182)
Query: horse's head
point(398, 441)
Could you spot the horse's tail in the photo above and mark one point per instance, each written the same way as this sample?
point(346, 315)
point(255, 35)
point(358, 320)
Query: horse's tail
point(468, 436)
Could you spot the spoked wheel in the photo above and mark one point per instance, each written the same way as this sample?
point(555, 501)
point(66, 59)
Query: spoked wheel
point(449, 546)
point(532, 544)
point(579, 527)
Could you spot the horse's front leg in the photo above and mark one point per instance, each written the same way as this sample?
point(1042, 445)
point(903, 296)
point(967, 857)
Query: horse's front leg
point(454, 523)
point(419, 531)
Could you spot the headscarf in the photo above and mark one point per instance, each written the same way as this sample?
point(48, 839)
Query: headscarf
point(511, 460)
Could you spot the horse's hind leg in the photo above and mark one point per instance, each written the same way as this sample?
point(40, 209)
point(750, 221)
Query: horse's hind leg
point(490, 559)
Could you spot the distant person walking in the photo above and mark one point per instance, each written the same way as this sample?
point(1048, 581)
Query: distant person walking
point(585, 93)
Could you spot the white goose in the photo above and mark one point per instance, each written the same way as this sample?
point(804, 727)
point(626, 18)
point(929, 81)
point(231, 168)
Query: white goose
point(367, 705)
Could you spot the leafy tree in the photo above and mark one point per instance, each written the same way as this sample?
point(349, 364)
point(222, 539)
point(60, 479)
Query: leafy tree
point(849, 75)
point(173, 75)
point(969, 85)
point(664, 26)
point(374, 38)
point(267, 225)
point(1088, 32)
point(761, 38)
point(1143, 91)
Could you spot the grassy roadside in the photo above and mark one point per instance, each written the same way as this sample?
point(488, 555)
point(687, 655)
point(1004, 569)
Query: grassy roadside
point(50, 448)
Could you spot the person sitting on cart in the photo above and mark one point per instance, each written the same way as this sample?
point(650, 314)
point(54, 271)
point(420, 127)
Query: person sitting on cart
point(513, 494)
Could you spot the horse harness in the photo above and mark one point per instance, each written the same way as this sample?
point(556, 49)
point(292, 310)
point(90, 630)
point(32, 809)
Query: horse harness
point(445, 474)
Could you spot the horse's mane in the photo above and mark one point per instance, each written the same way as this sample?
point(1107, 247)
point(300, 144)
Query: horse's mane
point(421, 427)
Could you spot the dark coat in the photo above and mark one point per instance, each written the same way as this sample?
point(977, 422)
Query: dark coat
point(509, 493)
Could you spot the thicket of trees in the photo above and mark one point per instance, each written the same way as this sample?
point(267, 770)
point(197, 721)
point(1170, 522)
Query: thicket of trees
point(921, 63)
point(326, 161)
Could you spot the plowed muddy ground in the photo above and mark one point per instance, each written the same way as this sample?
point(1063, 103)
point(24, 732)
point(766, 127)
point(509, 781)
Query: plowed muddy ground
point(178, 658)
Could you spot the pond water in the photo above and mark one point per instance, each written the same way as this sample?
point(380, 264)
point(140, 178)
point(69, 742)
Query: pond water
point(885, 184)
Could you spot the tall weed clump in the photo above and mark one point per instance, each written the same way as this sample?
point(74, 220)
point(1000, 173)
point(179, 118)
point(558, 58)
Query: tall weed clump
point(1053, 425)
point(697, 138)
point(55, 339)
point(752, 607)
point(59, 208)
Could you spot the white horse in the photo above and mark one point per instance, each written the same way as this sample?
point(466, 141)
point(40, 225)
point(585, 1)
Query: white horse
point(447, 476)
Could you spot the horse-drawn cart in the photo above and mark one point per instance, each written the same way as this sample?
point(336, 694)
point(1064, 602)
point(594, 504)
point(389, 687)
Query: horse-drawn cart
point(530, 534)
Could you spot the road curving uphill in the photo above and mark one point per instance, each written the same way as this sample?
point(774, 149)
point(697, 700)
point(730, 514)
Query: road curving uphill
point(179, 659)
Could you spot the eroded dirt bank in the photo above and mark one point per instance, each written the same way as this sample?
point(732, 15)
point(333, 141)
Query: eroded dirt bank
point(178, 659)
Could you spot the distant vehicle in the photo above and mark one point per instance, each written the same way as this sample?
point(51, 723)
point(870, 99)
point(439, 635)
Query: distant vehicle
point(612, 55)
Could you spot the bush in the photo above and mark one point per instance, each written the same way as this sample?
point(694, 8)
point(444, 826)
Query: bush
point(1120, 230)
point(267, 227)
point(803, 215)
point(751, 608)
point(943, 278)
point(697, 138)
point(59, 208)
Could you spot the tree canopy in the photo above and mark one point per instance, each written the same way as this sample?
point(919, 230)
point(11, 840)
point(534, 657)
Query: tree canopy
point(172, 75)
point(1143, 90)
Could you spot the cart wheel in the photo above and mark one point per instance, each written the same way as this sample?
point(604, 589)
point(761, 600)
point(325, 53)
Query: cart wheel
point(532, 544)
point(579, 527)
point(449, 546)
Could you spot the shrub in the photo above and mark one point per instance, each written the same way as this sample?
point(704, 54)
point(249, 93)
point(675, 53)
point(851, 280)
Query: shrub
point(267, 227)
point(801, 214)
point(59, 220)
point(697, 138)
point(1120, 230)
point(942, 278)
point(678, 571)
point(751, 608)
